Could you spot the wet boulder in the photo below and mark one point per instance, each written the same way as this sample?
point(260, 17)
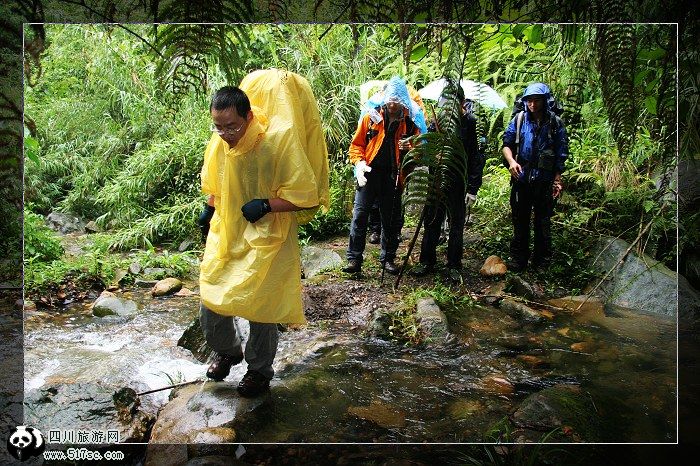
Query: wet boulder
point(493, 267)
point(520, 287)
point(108, 304)
point(643, 284)
point(89, 407)
point(562, 406)
point(193, 340)
point(379, 323)
point(315, 259)
point(200, 413)
point(520, 311)
point(166, 286)
point(431, 320)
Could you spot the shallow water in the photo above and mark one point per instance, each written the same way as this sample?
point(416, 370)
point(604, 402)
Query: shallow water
point(336, 385)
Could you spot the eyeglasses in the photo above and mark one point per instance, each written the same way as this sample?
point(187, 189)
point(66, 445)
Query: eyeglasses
point(228, 131)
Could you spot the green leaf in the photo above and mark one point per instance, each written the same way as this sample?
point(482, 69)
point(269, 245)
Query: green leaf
point(639, 77)
point(31, 149)
point(419, 52)
point(654, 54)
point(648, 205)
point(537, 46)
point(534, 34)
point(650, 103)
point(518, 31)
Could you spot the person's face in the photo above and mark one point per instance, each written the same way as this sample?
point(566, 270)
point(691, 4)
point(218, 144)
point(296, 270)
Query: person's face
point(535, 104)
point(230, 125)
point(395, 108)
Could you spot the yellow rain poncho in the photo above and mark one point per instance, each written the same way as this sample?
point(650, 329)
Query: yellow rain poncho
point(253, 270)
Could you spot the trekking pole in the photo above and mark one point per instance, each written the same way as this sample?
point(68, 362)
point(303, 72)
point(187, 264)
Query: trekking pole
point(391, 219)
point(169, 386)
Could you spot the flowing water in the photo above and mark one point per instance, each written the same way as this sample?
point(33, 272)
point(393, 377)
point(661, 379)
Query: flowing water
point(334, 384)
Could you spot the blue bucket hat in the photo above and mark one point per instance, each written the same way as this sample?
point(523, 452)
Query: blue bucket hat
point(536, 89)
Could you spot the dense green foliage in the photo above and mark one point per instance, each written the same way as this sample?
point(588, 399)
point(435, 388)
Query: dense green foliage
point(114, 140)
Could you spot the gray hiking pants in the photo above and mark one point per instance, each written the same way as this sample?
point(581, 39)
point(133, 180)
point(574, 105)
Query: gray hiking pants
point(222, 336)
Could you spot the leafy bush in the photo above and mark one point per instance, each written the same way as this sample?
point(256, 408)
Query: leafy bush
point(40, 242)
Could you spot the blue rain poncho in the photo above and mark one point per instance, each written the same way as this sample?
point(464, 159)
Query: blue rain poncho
point(395, 91)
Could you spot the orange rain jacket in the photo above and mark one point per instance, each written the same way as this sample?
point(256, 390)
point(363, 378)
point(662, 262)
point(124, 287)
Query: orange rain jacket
point(361, 149)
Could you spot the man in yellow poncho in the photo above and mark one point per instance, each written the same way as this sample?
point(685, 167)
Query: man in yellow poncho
point(257, 173)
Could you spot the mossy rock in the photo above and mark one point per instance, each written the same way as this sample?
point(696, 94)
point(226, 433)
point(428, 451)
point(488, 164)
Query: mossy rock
point(564, 407)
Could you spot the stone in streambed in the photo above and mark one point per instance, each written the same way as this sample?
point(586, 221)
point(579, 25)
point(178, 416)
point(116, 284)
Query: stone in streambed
point(166, 286)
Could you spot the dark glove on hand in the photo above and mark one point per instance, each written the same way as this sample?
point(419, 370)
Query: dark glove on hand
point(255, 209)
point(204, 219)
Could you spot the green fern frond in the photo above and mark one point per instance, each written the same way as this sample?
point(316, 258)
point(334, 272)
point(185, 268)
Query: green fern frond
point(616, 60)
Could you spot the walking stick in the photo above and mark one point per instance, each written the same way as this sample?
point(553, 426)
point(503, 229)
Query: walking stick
point(391, 219)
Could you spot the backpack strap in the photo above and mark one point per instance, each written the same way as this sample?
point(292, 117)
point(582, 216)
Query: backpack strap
point(518, 125)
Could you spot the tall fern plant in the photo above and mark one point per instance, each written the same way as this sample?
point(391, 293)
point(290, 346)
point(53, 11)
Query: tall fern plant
point(439, 155)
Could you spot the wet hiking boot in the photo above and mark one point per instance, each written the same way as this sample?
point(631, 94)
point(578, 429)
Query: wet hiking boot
point(421, 270)
point(374, 237)
point(253, 384)
point(391, 267)
point(354, 266)
point(221, 366)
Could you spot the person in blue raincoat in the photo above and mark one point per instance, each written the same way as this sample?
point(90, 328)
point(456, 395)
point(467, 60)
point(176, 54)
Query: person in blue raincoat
point(535, 163)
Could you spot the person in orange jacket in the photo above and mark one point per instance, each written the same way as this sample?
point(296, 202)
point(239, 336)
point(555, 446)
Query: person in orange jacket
point(376, 151)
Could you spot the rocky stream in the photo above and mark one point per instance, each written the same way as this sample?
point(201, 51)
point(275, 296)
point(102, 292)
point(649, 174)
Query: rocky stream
point(508, 365)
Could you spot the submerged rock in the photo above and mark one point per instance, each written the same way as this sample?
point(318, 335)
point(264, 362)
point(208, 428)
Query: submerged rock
point(497, 384)
point(166, 286)
point(519, 310)
point(381, 414)
point(108, 305)
point(561, 406)
point(90, 407)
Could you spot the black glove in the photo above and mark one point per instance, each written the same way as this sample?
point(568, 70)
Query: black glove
point(255, 209)
point(204, 219)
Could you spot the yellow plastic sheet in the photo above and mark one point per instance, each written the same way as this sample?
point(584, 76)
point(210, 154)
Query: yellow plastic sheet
point(253, 270)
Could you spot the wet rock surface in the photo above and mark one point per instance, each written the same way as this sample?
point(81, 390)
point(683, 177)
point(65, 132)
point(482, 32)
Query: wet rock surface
point(521, 311)
point(166, 286)
point(193, 340)
point(432, 321)
point(202, 413)
point(87, 406)
point(113, 306)
point(562, 406)
point(643, 283)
